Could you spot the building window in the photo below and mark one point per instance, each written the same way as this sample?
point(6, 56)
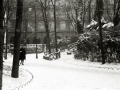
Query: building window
point(62, 26)
point(39, 14)
point(41, 26)
point(62, 16)
point(51, 26)
point(72, 27)
point(112, 1)
point(31, 27)
point(11, 24)
point(51, 14)
point(50, 4)
point(60, 3)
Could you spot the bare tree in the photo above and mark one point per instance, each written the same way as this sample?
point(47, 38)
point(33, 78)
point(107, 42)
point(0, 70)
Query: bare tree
point(45, 18)
point(73, 15)
point(89, 10)
point(101, 5)
point(116, 18)
point(69, 12)
point(77, 14)
point(18, 27)
point(1, 41)
point(54, 7)
point(107, 10)
point(8, 6)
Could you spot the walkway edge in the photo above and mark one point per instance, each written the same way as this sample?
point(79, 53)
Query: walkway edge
point(26, 83)
point(102, 67)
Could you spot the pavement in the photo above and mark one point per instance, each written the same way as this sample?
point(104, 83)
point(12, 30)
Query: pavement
point(69, 59)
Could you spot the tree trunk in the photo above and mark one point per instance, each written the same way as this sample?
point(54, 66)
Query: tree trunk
point(46, 24)
point(100, 4)
point(18, 27)
point(1, 41)
point(116, 19)
point(100, 30)
point(89, 11)
point(54, 7)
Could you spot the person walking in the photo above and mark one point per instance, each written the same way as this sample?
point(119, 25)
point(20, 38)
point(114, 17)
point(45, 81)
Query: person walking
point(22, 55)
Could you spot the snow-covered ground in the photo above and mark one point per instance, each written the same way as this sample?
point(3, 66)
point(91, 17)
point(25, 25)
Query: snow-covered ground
point(67, 73)
point(10, 83)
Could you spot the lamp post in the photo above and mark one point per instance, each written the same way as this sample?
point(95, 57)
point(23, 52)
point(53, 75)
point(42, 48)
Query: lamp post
point(34, 6)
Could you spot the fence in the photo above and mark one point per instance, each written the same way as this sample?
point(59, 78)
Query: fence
point(30, 48)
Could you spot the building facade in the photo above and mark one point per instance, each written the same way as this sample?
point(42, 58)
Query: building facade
point(30, 20)
point(34, 30)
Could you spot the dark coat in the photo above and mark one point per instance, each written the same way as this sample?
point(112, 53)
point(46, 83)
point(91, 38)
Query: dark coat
point(22, 54)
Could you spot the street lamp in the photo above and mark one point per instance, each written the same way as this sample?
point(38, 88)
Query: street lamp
point(30, 9)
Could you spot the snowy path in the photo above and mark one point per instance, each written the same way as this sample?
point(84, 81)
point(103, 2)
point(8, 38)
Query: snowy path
point(59, 75)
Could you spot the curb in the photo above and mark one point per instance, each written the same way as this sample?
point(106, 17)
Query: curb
point(109, 68)
point(25, 84)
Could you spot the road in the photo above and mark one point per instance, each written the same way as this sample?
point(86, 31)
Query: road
point(59, 75)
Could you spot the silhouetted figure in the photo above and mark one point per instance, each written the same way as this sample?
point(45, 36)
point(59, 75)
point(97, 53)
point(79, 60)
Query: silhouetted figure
point(22, 55)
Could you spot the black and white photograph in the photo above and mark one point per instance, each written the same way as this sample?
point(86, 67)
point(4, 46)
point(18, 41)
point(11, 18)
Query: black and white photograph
point(59, 44)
